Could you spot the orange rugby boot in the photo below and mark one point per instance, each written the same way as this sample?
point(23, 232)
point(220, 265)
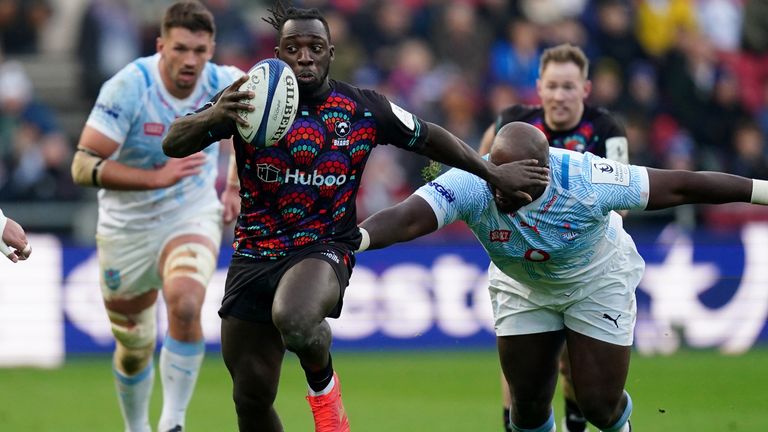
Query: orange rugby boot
point(328, 410)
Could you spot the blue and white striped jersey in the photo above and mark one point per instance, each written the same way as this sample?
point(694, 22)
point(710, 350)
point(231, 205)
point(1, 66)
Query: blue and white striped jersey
point(566, 237)
point(135, 110)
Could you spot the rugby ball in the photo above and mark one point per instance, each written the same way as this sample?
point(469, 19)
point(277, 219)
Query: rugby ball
point(276, 98)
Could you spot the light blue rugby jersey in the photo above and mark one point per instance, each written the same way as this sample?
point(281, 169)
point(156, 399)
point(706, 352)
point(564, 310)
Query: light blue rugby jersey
point(135, 109)
point(564, 238)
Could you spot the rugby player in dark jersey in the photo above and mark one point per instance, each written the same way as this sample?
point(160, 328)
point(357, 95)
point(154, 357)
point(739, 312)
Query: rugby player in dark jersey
point(296, 232)
point(567, 123)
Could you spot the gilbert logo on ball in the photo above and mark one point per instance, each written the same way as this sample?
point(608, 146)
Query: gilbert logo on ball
point(276, 100)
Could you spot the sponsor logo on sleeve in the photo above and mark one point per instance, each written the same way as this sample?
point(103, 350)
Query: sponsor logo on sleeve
point(110, 110)
point(444, 191)
point(404, 116)
point(606, 171)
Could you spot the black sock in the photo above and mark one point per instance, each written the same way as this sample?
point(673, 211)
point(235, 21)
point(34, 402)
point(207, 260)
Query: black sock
point(507, 427)
point(319, 380)
point(574, 418)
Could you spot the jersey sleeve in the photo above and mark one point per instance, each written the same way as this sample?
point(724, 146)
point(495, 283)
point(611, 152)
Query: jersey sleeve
point(616, 186)
point(615, 144)
point(449, 195)
point(397, 126)
point(119, 99)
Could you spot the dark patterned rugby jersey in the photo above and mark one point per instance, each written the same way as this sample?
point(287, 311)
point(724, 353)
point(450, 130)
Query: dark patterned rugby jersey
point(302, 190)
point(595, 127)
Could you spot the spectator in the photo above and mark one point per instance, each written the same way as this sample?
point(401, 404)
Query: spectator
point(614, 36)
point(749, 152)
point(515, 60)
point(642, 93)
point(234, 40)
point(607, 85)
point(21, 24)
point(110, 38)
point(721, 21)
point(35, 151)
point(461, 40)
point(724, 113)
point(659, 22)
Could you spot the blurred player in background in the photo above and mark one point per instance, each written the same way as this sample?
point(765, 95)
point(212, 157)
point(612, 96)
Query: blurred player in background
point(567, 123)
point(13, 240)
point(295, 236)
point(562, 267)
point(160, 221)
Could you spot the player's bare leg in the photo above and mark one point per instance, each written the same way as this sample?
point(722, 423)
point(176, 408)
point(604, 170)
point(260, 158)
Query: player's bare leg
point(599, 372)
point(574, 420)
point(506, 400)
point(135, 329)
point(530, 364)
point(188, 261)
point(253, 353)
point(307, 293)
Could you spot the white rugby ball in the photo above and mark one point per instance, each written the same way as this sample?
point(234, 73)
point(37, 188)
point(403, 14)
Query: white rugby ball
point(276, 100)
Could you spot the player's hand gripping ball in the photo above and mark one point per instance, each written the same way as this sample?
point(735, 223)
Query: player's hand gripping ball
point(276, 101)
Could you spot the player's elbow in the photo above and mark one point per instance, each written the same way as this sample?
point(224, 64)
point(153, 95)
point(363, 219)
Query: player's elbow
point(175, 147)
point(169, 148)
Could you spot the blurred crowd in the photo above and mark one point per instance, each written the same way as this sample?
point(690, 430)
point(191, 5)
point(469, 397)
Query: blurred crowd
point(687, 78)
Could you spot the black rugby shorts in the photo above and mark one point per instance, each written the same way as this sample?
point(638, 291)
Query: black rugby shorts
point(251, 284)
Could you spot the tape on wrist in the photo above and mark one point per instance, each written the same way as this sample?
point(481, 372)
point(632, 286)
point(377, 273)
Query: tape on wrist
point(366, 241)
point(759, 192)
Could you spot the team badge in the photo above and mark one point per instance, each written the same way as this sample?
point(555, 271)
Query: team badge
point(112, 278)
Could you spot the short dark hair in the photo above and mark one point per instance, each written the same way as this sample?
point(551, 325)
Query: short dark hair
point(565, 53)
point(188, 14)
point(283, 12)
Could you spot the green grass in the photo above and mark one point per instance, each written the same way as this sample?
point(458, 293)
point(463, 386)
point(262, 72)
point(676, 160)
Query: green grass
point(401, 391)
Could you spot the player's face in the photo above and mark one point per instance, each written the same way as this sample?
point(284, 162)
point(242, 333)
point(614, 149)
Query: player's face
point(184, 55)
point(562, 90)
point(304, 46)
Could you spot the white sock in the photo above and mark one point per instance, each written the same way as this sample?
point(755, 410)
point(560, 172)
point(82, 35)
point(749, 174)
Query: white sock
point(179, 366)
point(133, 393)
point(324, 391)
point(624, 428)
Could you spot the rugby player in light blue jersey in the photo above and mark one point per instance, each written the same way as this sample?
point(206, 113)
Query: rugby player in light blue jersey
point(562, 267)
point(160, 220)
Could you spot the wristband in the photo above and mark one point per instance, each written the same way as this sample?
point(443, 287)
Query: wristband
point(759, 192)
point(365, 242)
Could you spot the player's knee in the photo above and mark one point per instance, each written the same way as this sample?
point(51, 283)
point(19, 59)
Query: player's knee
point(190, 260)
point(184, 310)
point(296, 334)
point(135, 337)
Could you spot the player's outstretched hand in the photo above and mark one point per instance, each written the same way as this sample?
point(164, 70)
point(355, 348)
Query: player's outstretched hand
point(176, 169)
point(231, 102)
point(14, 242)
point(511, 177)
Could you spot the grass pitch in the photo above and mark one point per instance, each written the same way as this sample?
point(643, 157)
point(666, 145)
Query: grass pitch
point(401, 391)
